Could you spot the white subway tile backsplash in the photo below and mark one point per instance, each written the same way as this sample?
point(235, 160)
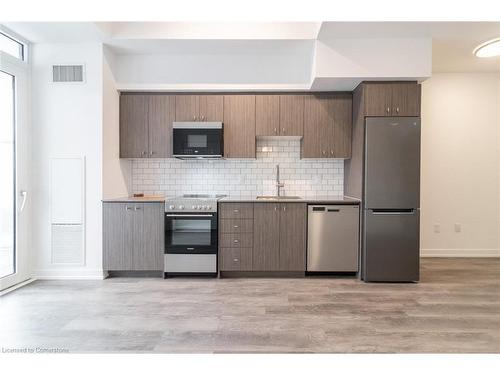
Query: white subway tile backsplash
point(307, 178)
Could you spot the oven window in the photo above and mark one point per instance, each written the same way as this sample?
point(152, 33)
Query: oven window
point(191, 232)
point(197, 140)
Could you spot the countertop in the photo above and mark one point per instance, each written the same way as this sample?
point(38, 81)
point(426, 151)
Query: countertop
point(146, 199)
point(329, 199)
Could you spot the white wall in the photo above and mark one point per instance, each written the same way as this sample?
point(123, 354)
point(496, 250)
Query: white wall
point(461, 165)
point(116, 172)
point(67, 122)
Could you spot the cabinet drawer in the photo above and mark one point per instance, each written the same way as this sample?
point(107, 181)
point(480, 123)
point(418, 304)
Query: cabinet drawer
point(235, 259)
point(236, 240)
point(236, 226)
point(236, 210)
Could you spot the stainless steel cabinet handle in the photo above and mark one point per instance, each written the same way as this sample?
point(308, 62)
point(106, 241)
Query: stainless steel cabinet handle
point(283, 130)
point(236, 211)
point(235, 226)
point(235, 260)
point(324, 152)
point(194, 118)
point(137, 208)
point(127, 208)
point(202, 118)
point(187, 215)
point(236, 241)
point(151, 153)
point(388, 109)
point(275, 208)
point(275, 130)
point(397, 109)
point(331, 152)
point(284, 208)
point(143, 153)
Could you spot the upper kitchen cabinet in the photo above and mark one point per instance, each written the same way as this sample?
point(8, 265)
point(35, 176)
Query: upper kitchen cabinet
point(279, 115)
point(239, 126)
point(134, 126)
point(391, 99)
point(327, 126)
point(292, 115)
point(199, 108)
point(342, 126)
point(146, 125)
point(267, 115)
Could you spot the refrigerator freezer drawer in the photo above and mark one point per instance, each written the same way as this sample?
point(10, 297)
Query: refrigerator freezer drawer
point(391, 245)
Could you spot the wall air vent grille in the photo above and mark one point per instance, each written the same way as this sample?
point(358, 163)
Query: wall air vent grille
point(67, 73)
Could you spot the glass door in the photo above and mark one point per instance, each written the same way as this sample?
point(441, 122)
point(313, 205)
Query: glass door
point(7, 176)
point(14, 173)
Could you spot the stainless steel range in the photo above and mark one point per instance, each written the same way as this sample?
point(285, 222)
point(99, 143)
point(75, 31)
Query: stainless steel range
point(191, 235)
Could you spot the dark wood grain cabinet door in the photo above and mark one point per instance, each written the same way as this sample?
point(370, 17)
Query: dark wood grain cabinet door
point(378, 99)
point(266, 242)
point(186, 108)
point(118, 223)
point(342, 124)
point(292, 232)
point(292, 115)
point(239, 126)
point(211, 108)
point(133, 126)
point(406, 99)
point(267, 115)
point(161, 116)
point(318, 125)
point(148, 237)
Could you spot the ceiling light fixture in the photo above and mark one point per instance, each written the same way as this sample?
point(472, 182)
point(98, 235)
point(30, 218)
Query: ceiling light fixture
point(490, 48)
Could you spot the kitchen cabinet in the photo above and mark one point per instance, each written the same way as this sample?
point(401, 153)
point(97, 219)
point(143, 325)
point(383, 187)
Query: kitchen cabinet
point(235, 236)
point(279, 237)
point(292, 115)
point(199, 108)
point(239, 126)
point(133, 236)
point(279, 115)
point(146, 125)
point(327, 127)
point(292, 234)
point(391, 99)
point(267, 115)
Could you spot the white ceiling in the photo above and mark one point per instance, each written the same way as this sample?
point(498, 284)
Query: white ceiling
point(453, 42)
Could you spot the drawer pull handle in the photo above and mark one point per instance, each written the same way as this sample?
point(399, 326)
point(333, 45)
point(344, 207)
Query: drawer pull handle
point(236, 211)
point(235, 226)
point(236, 241)
point(235, 259)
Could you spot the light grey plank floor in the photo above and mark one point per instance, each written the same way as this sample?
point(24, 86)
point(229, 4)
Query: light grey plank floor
point(455, 308)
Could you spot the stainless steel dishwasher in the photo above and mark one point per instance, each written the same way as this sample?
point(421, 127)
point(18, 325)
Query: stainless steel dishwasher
point(332, 238)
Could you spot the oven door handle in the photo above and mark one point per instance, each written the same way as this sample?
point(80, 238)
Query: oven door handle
point(186, 215)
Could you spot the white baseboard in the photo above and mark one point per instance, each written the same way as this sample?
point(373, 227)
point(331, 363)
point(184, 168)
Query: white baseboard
point(460, 253)
point(69, 274)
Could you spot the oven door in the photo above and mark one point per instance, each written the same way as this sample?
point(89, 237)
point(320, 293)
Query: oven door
point(190, 233)
point(197, 142)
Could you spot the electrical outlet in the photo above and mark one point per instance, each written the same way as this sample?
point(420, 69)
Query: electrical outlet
point(458, 227)
point(437, 228)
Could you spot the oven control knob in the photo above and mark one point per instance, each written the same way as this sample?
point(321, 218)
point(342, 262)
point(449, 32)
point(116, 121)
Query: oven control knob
point(204, 207)
point(193, 207)
point(209, 207)
point(171, 206)
point(199, 207)
point(181, 207)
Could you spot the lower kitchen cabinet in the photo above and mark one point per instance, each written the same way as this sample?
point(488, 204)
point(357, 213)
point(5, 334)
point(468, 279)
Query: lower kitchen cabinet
point(133, 236)
point(273, 239)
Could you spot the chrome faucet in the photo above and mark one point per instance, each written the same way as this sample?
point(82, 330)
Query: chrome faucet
point(278, 183)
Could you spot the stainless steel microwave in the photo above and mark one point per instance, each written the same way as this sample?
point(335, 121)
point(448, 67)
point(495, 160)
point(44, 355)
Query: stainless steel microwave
point(198, 140)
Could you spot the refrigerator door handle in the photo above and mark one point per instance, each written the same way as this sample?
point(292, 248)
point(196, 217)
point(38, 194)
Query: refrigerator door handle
point(393, 212)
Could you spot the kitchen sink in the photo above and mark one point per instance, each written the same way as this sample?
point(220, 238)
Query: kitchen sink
point(276, 198)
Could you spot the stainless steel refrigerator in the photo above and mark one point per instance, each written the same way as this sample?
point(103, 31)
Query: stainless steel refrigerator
point(391, 199)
